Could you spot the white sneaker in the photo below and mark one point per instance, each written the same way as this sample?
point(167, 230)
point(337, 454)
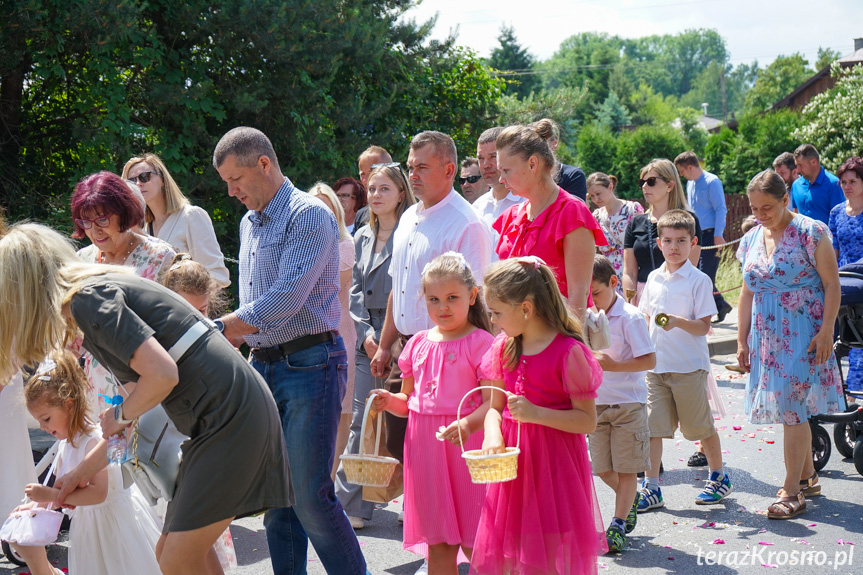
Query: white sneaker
point(424, 568)
point(357, 522)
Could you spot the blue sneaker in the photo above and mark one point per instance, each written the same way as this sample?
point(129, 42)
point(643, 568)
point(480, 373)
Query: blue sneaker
point(649, 499)
point(716, 489)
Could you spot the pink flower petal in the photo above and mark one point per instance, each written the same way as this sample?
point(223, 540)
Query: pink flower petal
point(737, 428)
point(771, 565)
point(719, 541)
point(766, 543)
point(812, 525)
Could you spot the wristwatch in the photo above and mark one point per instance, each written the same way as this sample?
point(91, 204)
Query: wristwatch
point(220, 325)
point(118, 415)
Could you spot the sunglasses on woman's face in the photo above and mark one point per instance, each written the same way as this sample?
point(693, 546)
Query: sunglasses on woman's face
point(142, 178)
point(468, 179)
point(650, 182)
point(102, 222)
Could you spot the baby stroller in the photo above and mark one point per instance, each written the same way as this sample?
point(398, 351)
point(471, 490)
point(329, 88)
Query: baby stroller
point(848, 426)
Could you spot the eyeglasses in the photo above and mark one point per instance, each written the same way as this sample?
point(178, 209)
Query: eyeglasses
point(387, 165)
point(102, 222)
point(142, 178)
point(347, 196)
point(469, 179)
point(650, 182)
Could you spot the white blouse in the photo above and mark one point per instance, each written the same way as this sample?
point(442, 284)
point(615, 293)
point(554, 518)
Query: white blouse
point(190, 231)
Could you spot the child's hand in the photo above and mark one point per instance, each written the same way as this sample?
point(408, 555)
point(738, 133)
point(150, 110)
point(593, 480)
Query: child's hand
point(603, 359)
point(452, 431)
point(521, 409)
point(493, 443)
point(39, 493)
point(382, 401)
point(25, 506)
point(673, 322)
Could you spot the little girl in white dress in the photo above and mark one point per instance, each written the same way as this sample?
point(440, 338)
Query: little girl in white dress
point(110, 532)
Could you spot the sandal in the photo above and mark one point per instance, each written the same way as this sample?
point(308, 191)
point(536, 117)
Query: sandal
point(697, 459)
point(787, 507)
point(810, 487)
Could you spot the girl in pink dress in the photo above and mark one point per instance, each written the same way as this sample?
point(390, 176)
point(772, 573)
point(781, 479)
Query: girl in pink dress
point(439, 366)
point(546, 521)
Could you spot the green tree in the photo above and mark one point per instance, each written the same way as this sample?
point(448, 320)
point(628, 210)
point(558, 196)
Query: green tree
point(776, 81)
point(635, 149)
point(596, 149)
point(516, 63)
point(85, 85)
point(833, 120)
point(612, 114)
point(826, 56)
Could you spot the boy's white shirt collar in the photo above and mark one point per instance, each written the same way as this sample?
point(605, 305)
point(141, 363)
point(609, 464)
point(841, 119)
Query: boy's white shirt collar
point(616, 308)
point(685, 270)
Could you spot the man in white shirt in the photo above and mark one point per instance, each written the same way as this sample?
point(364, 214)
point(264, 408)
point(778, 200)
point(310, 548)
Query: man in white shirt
point(442, 221)
point(496, 201)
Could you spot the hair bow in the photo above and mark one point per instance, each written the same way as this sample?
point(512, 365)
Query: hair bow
point(535, 261)
point(47, 366)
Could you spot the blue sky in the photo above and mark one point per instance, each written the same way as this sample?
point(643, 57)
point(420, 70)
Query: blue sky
point(753, 29)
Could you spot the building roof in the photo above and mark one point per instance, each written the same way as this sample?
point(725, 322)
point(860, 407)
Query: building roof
point(846, 61)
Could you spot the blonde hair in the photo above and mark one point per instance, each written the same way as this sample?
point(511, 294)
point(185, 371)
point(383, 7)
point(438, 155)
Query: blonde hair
point(321, 189)
point(174, 198)
point(397, 176)
point(62, 382)
point(188, 276)
point(517, 280)
point(452, 265)
point(39, 274)
point(668, 171)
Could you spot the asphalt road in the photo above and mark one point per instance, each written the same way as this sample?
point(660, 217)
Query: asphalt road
point(680, 538)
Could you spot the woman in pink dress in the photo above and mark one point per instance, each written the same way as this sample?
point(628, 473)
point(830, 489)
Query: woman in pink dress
point(613, 215)
point(546, 521)
point(551, 224)
point(439, 367)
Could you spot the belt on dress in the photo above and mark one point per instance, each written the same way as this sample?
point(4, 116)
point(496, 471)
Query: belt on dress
point(186, 340)
point(277, 352)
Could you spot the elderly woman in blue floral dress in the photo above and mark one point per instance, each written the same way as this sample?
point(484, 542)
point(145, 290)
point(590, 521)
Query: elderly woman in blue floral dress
point(786, 313)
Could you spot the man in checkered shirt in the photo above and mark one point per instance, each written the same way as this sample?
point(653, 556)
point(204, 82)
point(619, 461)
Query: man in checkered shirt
point(289, 315)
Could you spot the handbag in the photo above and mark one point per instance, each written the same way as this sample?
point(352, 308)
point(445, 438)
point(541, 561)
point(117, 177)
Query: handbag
point(155, 456)
point(34, 527)
point(598, 332)
point(155, 442)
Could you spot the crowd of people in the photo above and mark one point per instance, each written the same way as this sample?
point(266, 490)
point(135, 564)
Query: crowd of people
point(397, 285)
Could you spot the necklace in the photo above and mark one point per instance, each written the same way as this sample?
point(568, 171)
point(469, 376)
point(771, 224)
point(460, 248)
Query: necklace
point(126, 255)
point(547, 203)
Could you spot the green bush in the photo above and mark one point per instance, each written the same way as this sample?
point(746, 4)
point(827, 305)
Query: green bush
point(637, 148)
point(596, 149)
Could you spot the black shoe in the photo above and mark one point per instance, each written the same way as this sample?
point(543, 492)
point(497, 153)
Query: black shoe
point(720, 315)
point(697, 459)
point(640, 474)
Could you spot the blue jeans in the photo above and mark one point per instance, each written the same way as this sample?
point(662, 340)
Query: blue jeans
point(308, 387)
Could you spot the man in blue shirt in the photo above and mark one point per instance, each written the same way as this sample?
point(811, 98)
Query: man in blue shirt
point(289, 315)
point(816, 191)
point(707, 199)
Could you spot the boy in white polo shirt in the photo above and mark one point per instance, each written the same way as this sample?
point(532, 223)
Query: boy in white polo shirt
point(619, 448)
point(678, 303)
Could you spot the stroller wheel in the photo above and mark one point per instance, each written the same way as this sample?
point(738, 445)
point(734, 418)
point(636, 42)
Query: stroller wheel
point(12, 556)
point(858, 454)
point(821, 447)
point(844, 436)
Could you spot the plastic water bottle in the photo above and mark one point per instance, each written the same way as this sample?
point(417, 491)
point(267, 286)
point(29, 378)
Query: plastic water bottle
point(117, 442)
point(117, 449)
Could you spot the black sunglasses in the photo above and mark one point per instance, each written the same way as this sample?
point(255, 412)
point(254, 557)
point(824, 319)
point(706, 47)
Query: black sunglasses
point(650, 182)
point(469, 179)
point(143, 177)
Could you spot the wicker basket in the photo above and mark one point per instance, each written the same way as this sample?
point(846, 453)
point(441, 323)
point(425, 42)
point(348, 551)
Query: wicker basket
point(369, 470)
point(494, 468)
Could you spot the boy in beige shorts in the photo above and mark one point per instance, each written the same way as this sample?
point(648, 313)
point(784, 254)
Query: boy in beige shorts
point(678, 304)
point(619, 448)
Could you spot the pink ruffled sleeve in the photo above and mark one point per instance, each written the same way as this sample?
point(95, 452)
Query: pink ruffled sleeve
point(481, 343)
point(405, 359)
point(491, 367)
point(574, 214)
point(583, 374)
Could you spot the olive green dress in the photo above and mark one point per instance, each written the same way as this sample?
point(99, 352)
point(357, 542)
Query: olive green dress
point(234, 462)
